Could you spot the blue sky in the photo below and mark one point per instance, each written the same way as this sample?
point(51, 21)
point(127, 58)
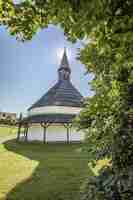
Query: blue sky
point(28, 70)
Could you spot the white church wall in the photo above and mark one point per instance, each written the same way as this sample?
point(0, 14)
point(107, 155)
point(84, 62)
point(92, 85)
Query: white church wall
point(35, 133)
point(76, 135)
point(54, 133)
point(55, 110)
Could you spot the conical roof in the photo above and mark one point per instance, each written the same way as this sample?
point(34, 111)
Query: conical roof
point(63, 93)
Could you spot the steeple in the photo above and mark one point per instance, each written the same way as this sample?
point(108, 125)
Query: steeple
point(63, 93)
point(64, 70)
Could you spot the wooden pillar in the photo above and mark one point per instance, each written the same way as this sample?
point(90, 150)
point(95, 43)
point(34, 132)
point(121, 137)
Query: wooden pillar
point(68, 134)
point(45, 126)
point(44, 134)
point(19, 127)
point(68, 126)
point(19, 131)
point(26, 133)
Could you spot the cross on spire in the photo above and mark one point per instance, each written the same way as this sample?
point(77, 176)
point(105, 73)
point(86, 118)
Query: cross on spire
point(64, 69)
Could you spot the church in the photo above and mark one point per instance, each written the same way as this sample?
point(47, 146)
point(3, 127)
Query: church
point(50, 119)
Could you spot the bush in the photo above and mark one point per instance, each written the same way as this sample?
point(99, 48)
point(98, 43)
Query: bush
point(101, 187)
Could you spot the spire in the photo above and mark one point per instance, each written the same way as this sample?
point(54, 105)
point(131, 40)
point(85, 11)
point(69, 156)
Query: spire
point(64, 61)
point(64, 69)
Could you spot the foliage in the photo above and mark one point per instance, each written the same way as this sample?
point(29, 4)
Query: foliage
point(8, 121)
point(100, 187)
point(108, 24)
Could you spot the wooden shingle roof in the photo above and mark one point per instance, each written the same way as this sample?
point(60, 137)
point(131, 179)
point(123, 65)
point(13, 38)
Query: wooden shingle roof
point(61, 94)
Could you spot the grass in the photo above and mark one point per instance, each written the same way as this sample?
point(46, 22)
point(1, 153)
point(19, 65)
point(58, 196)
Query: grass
point(41, 172)
point(7, 131)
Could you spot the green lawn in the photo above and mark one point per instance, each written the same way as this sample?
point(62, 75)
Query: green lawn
point(41, 172)
point(6, 131)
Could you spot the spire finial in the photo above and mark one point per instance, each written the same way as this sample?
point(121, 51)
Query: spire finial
point(64, 61)
point(64, 69)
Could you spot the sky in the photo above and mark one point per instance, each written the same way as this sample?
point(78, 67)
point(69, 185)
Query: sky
point(29, 69)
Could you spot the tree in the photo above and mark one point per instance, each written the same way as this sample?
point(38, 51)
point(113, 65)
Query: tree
point(108, 115)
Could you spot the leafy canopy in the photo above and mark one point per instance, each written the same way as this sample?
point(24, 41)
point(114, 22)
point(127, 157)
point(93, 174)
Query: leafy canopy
point(108, 24)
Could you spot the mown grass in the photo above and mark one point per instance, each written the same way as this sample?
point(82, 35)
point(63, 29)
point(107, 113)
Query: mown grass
point(41, 172)
point(6, 131)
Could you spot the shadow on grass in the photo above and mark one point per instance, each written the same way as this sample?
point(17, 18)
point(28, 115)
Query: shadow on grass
point(61, 170)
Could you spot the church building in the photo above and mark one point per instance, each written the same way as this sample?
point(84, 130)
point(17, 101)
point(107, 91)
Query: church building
point(50, 119)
